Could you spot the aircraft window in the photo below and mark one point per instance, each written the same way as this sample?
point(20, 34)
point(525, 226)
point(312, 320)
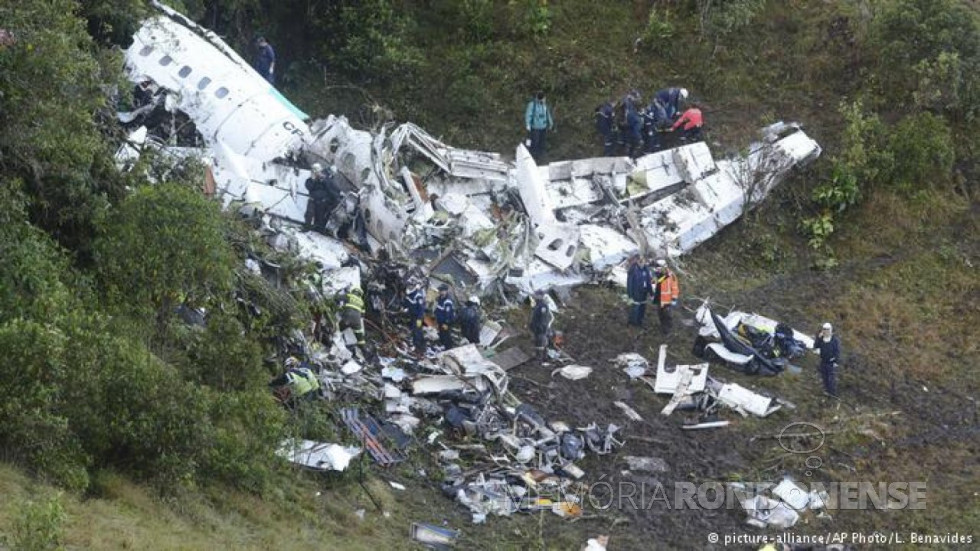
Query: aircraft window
point(203, 83)
point(166, 60)
point(221, 92)
point(147, 50)
point(184, 71)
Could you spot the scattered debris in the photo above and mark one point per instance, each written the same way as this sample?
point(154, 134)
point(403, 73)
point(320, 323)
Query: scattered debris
point(573, 372)
point(597, 543)
point(783, 508)
point(646, 464)
point(510, 358)
point(318, 455)
point(750, 343)
point(630, 412)
point(434, 537)
point(633, 364)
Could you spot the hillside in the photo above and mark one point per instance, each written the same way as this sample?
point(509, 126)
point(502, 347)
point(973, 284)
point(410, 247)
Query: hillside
point(122, 428)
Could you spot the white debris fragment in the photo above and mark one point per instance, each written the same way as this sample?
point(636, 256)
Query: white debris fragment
point(630, 412)
point(351, 367)
point(788, 491)
point(573, 372)
point(318, 455)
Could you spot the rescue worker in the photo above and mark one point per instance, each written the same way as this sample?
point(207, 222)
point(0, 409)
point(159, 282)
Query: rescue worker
point(415, 304)
point(297, 382)
point(829, 346)
point(352, 313)
point(324, 196)
point(655, 121)
point(265, 60)
point(537, 122)
point(540, 325)
point(604, 125)
point(639, 287)
point(671, 99)
point(445, 312)
point(666, 291)
point(634, 128)
point(470, 320)
point(690, 124)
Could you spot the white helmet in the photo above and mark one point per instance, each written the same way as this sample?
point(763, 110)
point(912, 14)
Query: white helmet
point(661, 263)
point(317, 167)
point(683, 93)
point(827, 327)
point(474, 299)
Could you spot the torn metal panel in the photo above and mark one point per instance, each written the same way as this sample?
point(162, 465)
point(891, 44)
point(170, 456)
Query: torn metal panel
point(743, 399)
point(511, 358)
point(341, 279)
point(668, 380)
point(655, 172)
point(727, 355)
point(693, 161)
point(558, 244)
point(605, 247)
point(318, 455)
point(531, 186)
point(329, 251)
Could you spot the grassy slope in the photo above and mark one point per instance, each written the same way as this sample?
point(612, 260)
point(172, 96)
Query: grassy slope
point(904, 296)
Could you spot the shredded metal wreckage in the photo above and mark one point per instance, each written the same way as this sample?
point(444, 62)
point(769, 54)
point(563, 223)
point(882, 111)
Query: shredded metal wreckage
point(416, 208)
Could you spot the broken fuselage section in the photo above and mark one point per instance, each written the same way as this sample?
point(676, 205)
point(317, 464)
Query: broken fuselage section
point(476, 219)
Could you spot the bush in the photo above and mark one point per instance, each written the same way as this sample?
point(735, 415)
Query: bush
point(38, 526)
point(163, 245)
point(922, 146)
point(928, 54)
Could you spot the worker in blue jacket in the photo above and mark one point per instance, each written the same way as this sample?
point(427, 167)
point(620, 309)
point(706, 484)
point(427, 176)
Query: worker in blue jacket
point(445, 316)
point(655, 121)
point(639, 287)
point(634, 128)
point(415, 305)
point(605, 127)
point(537, 122)
point(671, 99)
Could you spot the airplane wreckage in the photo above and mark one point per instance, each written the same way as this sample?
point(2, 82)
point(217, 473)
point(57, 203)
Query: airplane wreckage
point(474, 218)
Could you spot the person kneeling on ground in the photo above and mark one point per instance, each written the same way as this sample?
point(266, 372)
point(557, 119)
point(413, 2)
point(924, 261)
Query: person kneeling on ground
point(299, 382)
point(690, 124)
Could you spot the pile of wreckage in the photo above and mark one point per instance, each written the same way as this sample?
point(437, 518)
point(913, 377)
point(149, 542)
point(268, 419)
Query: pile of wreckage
point(779, 506)
point(418, 208)
point(749, 343)
point(483, 222)
point(515, 459)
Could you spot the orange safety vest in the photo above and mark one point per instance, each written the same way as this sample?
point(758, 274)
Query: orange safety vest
point(669, 289)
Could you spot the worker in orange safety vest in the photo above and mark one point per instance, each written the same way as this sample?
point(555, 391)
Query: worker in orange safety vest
point(666, 291)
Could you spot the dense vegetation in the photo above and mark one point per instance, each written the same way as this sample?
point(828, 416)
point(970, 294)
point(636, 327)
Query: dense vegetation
point(99, 374)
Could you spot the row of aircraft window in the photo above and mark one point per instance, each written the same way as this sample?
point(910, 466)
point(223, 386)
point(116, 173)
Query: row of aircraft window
point(185, 71)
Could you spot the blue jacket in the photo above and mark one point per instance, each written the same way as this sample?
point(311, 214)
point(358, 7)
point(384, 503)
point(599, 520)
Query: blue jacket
point(415, 302)
point(670, 98)
point(638, 283)
point(604, 119)
point(469, 319)
point(541, 318)
point(264, 60)
point(537, 116)
point(655, 117)
point(445, 310)
point(633, 121)
point(829, 350)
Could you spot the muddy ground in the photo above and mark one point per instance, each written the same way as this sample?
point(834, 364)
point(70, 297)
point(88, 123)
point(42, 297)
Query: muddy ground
point(884, 428)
